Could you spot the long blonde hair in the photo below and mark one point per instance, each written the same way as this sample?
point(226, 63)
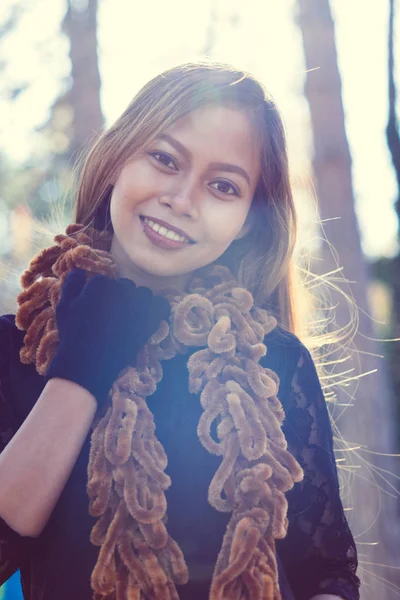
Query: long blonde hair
point(261, 261)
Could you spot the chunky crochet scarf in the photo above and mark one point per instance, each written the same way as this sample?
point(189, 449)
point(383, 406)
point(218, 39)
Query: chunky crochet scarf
point(138, 559)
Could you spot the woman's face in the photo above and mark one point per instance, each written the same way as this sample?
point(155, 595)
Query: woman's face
point(179, 205)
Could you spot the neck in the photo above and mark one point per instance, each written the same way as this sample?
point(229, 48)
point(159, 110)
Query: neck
point(157, 283)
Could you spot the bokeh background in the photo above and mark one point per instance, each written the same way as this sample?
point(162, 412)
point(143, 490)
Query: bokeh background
point(69, 67)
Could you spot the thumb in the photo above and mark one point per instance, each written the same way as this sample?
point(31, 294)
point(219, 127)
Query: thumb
point(72, 287)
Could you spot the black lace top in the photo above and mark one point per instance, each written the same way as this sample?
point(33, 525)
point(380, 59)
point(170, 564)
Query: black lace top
point(318, 556)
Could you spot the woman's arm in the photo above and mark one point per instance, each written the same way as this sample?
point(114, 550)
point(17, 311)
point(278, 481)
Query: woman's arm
point(102, 325)
point(36, 464)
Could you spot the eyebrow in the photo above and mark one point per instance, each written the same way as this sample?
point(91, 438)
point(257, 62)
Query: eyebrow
point(215, 166)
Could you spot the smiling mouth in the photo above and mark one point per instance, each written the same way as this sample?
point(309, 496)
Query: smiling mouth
point(164, 238)
point(168, 233)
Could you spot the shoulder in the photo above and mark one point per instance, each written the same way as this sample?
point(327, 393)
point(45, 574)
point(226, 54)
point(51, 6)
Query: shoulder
point(11, 339)
point(7, 416)
point(7, 322)
point(287, 346)
point(283, 350)
point(20, 384)
point(286, 353)
point(284, 341)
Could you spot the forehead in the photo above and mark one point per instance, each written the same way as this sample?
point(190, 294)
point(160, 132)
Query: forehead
point(220, 133)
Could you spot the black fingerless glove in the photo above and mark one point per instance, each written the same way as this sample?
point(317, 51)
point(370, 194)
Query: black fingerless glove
point(102, 325)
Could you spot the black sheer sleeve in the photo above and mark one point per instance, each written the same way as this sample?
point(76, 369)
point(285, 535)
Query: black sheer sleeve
point(13, 547)
point(318, 554)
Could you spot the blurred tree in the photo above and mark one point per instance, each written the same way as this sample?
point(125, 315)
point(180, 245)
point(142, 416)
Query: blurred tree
point(19, 183)
point(76, 116)
point(75, 119)
point(369, 426)
point(80, 24)
point(392, 130)
point(388, 269)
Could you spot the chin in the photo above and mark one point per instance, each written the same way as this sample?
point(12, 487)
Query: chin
point(157, 270)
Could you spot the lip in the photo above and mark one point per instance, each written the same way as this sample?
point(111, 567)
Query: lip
point(160, 240)
point(168, 226)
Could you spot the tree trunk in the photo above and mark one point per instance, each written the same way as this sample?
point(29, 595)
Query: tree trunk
point(392, 130)
point(392, 266)
point(373, 513)
point(80, 24)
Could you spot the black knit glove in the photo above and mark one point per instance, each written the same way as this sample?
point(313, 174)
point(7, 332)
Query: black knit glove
point(102, 325)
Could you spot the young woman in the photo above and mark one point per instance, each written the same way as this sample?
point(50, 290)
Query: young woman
point(164, 432)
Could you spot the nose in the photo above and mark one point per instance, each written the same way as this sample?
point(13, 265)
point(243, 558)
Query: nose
point(182, 200)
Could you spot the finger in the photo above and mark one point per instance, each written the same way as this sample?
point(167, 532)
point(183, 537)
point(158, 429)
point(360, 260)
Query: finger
point(99, 286)
point(159, 311)
point(143, 296)
point(126, 283)
point(125, 294)
point(73, 285)
point(161, 307)
point(141, 309)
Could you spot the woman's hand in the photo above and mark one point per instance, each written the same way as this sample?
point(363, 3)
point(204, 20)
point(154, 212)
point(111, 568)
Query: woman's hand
point(102, 325)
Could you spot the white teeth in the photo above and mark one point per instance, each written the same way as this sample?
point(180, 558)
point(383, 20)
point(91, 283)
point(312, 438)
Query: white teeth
point(171, 235)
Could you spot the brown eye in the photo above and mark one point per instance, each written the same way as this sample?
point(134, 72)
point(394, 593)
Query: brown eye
point(225, 187)
point(165, 159)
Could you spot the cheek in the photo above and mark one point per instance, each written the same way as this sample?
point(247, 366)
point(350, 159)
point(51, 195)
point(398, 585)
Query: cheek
point(133, 187)
point(124, 204)
point(122, 207)
point(224, 225)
